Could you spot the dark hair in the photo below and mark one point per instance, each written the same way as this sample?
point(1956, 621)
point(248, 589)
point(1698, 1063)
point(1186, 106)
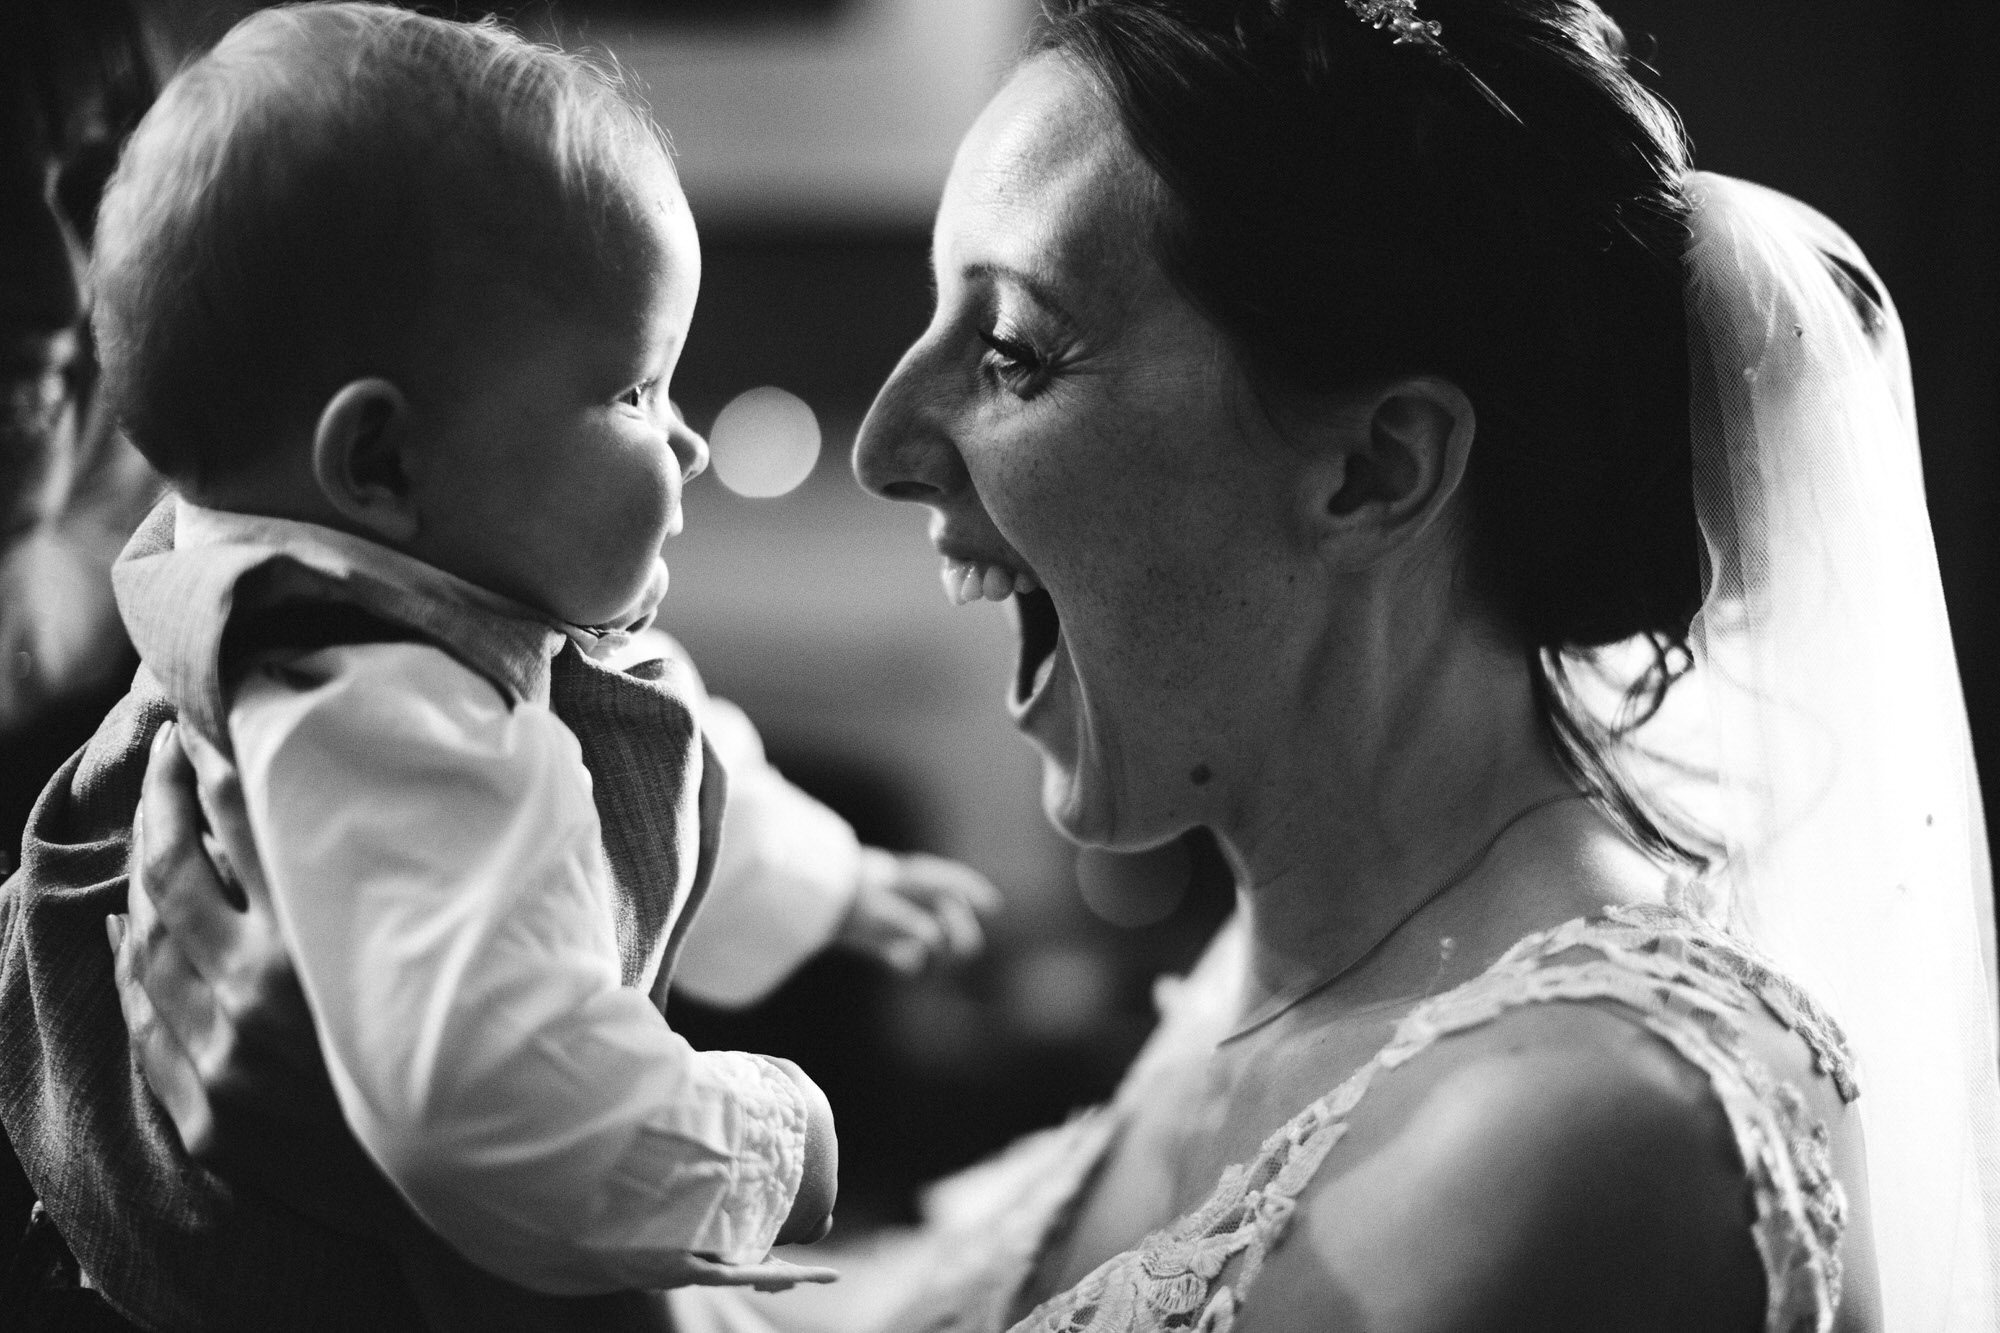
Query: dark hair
point(1347, 209)
point(338, 190)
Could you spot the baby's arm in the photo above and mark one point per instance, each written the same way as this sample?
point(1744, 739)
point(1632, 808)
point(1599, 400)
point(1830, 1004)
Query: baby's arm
point(912, 909)
point(433, 859)
point(784, 878)
point(792, 879)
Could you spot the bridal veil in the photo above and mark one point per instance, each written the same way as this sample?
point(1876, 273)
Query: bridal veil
point(1821, 736)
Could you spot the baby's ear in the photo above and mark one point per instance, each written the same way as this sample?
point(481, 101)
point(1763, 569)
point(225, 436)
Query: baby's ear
point(358, 459)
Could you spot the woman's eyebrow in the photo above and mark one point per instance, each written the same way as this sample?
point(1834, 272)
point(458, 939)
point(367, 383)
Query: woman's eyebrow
point(1038, 288)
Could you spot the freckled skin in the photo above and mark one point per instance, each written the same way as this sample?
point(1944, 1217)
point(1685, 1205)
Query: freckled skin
point(1251, 645)
point(1137, 478)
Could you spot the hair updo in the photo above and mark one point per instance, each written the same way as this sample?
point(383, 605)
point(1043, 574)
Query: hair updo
point(1347, 210)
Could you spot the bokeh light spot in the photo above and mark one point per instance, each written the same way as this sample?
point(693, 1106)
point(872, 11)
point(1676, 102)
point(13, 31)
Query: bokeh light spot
point(764, 443)
point(1134, 889)
point(1059, 993)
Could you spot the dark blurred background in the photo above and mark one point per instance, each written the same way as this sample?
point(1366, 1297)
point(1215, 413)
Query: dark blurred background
point(813, 138)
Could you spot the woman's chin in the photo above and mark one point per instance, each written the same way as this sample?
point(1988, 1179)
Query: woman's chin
point(1086, 809)
point(1100, 825)
point(1052, 718)
point(1086, 792)
point(1069, 809)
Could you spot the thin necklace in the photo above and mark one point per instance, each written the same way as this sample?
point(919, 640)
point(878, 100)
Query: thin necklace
point(1279, 1005)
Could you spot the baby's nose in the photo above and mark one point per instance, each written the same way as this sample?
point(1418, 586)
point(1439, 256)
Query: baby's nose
point(688, 446)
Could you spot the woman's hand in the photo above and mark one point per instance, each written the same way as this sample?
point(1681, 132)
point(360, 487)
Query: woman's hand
point(218, 1023)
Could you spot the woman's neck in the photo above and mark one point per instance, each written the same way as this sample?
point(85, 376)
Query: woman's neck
point(1384, 806)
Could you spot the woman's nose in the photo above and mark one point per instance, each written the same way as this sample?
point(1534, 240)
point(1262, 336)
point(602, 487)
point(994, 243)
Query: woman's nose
point(688, 446)
point(904, 450)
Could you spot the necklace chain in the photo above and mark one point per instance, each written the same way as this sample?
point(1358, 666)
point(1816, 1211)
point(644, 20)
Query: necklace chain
point(1279, 1005)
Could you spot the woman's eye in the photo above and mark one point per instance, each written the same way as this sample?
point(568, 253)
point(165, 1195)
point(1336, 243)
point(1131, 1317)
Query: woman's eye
point(1015, 363)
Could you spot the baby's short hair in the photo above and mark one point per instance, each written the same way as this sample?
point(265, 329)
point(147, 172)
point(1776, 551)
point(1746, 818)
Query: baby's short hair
point(334, 191)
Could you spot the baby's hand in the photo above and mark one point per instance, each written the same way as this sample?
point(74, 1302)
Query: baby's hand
point(913, 910)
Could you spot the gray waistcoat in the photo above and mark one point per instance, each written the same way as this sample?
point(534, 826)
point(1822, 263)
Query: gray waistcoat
point(170, 1244)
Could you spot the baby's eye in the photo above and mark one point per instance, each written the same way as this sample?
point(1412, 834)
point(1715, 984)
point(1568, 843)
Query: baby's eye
point(641, 395)
point(1015, 363)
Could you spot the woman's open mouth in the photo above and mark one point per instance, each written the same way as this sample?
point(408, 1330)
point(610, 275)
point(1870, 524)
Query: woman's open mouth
point(1035, 611)
point(1041, 630)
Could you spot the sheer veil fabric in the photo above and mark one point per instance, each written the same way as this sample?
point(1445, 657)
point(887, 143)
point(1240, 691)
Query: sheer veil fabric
point(1820, 741)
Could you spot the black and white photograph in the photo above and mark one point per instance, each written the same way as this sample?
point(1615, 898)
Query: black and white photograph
point(999, 666)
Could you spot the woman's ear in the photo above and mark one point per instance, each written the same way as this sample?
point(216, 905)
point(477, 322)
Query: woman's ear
point(358, 459)
point(1388, 465)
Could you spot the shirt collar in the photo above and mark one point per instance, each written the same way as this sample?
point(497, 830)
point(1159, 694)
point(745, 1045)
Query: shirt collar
point(515, 642)
point(340, 554)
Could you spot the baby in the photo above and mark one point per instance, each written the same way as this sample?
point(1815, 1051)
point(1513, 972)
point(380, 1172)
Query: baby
point(393, 303)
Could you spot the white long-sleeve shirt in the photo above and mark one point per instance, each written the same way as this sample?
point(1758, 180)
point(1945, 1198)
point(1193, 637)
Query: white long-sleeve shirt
point(434, 859)
point(785, 875)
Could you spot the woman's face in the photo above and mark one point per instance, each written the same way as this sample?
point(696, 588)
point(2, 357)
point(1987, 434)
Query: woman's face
point(1076, 426)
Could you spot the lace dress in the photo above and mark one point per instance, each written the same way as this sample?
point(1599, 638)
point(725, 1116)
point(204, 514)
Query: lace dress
point(1690, 985)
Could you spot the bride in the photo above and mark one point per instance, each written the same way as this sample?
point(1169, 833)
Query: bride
point(1511, 545)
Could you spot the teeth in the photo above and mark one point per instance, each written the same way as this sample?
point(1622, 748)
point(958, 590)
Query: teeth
point(973, 581)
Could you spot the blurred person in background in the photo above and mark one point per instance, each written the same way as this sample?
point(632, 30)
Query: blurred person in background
point(1407, 467)
point(75, 76)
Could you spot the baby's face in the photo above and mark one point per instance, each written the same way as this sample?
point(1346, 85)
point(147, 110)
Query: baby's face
point(552, 473)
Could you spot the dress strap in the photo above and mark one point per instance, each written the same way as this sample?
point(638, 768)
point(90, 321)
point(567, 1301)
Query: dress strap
point(1689, 985)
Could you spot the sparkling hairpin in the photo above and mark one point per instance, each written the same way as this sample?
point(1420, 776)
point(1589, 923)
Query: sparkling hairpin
point(1399, 17)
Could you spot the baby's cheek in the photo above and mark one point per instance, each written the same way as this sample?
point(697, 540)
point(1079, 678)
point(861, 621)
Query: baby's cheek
point(650, 596)
point(649, 492)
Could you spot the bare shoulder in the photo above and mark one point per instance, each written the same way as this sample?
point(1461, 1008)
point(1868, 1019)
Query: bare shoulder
point(1560, 1167)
